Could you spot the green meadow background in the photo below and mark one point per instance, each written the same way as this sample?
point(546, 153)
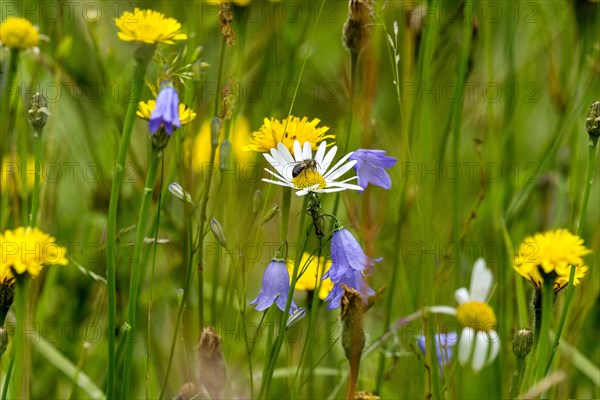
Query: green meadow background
point(482, 172)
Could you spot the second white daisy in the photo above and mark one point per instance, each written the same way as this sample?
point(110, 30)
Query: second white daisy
point(306, 173)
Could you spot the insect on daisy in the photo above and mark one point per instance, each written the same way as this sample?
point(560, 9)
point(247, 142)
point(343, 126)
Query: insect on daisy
point(306, 173)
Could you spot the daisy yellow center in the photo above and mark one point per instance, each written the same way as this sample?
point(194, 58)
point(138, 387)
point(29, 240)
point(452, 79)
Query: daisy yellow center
point(309, 178)
point(476, 315)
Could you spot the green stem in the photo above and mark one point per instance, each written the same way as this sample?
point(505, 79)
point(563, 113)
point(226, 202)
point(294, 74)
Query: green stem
point(570, 289)
point(136, 276)
point(517, 377)
point(543, 336)
point(188, 280)
point(285, 214)
point(8, 101)
point(20, 381)
point(35, 201)
point(111, 231)
point(272, 360)
point(9, 371)
point(433, 360)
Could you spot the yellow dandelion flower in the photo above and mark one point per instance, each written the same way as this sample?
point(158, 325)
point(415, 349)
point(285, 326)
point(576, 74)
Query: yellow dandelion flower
point(18, 33)
point(313, 271)
point(287, 131)
point(27, 250)
point(551, 254)
point(148, 26)
point(145, 108)
point(198, 148)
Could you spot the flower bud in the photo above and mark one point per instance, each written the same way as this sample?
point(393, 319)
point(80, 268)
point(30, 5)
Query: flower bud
point(215, 131)
point(592, 122)
point(270, 213)
point(38, 112)
point(217, 230)
point(256, 202)
point(224, 154)
point(177, 191)
point(7, 295)
point(522, 343)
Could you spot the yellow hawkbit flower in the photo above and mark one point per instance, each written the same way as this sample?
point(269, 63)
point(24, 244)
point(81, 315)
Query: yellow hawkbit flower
point(313, 269)
point(148, 26)
point(18, 33)
point(145, 108)
point(551, 254)
point(27, 250)
point(287, 131)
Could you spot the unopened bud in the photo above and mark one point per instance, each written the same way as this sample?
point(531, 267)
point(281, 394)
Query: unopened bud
point(522, 343)
point(224, 154)
point(217, 230)
point(298, 314)
point(215, 131)
point(7, 295)
point(592, 122)
point(270, 213)
point(38, 112)
point(177, 191)
point(256, 202)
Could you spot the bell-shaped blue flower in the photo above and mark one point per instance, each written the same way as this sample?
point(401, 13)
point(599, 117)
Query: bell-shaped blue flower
point(166, 111)
point(370, 167)
point(444, 343)
point(353, 279)
point(347, 255)
point(275, 288)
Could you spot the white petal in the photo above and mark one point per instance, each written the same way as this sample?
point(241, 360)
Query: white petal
point(285, 153)
point(442, 310)
point(302, 192)
point(462, 295)
point(307, 151)
point(297, 151)
point(481, 350)
point(481, 281)
point(284, 165)
point(330, 190)
point(340, 171)
point(340, 162)
point(495, 343)
point(276, 175)
point(274, 163)
point(464, 345)
point(344, 185)
point(327, 160)
point(320, 153)
point(278, 182)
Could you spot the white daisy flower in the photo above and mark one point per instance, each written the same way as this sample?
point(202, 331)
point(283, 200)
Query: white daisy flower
point(307, 174)
point(479, 342)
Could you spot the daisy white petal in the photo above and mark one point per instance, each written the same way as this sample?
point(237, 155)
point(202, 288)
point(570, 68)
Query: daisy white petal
point(307, 151)
point(298, 151)
point(320, 153)
point(495, 344)
point(480, 351)
point(340, 171)
point(481, 281)
point(337, 165)
point(328, 159)
point(462, 295)
point(276, 182)
point(465, 345)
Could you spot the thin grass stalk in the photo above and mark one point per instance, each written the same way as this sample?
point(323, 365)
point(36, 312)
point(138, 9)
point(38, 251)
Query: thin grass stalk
point(35, 198)
point(593, 143)
point(136, 276)
point(301, 237)
point(186, 289)
point(22, 367)
point(111, 242)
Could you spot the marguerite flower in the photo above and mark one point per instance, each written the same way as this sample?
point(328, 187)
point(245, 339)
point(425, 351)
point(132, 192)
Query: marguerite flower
point(550, 254)
point(27, 250)
point(306, 174)
point(479, 342)
point(287, 132)
point(148, 26)
point(18, 33)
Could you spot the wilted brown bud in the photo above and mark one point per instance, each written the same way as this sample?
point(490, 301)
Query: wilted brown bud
point(226, 18)
point(355, 32)
point(211, 364)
